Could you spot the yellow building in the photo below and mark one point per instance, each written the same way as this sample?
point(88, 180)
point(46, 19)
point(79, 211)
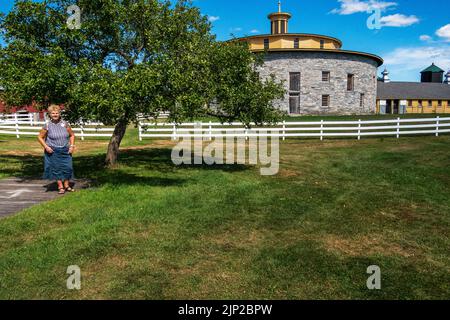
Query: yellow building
point(432, 96)
point(319, 76)
point(280, 38)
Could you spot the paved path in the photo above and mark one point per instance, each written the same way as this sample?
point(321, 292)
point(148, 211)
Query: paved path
point(17, 194)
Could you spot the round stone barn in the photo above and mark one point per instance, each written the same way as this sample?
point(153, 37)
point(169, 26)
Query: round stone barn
point(319, 77)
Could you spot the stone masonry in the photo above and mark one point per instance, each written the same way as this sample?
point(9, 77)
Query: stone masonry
point(311, 65)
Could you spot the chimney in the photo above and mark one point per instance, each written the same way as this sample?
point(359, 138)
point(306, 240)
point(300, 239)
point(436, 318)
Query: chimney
point(385, 74)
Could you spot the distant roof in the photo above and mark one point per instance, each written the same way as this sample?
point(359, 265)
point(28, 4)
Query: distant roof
point(413, 90)
point(433, 68)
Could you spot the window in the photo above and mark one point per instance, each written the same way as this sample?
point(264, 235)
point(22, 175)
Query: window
point(361, 100)
point(325, 76)
point(430, 103)
point(296, 43)
point(283, 27)
point(277, 27)
point(322, 44)
point(420, 104)
point(326, 100)
point(410, 103)
point(350, 82)
point(272, 26)
point(294, 81)
point(294, 103)
point(440, 103)
point(266, 43)
point(294, 92)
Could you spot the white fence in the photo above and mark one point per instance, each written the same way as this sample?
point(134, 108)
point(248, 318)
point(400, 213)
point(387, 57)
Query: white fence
point(21, 118)
point(321, 129)
point(83, 131)
point(27, 126)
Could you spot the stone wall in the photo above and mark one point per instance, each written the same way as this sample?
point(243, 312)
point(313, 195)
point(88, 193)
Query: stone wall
point(311, 65)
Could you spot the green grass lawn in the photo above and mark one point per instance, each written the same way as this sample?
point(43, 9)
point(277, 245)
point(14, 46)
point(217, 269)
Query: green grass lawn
point(151, 230)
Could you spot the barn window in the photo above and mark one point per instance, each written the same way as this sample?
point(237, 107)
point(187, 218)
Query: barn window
point(350, 82)
point(277, 27)
point(326, 100)
point(410, 103)
point(294, 81)
point(322, 44)
point(266, 43)
point(325, 76)
point(361, 100)
point(296, 43)
point(283, 27)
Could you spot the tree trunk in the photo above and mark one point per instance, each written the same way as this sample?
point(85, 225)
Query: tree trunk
point(114, 143)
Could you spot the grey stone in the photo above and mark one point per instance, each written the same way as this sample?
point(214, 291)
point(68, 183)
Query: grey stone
point(310, 65)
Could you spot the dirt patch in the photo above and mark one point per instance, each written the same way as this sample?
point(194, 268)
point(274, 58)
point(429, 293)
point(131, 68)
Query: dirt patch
point(365, 245)
point(287, 173)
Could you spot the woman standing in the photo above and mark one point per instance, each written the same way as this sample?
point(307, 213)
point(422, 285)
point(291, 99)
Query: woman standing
point(58, 141)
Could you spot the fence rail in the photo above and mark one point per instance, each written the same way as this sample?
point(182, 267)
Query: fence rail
point(27, 126)
point(83, 131)
point(318, 129)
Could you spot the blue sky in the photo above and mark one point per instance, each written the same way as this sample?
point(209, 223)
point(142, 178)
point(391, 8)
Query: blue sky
point(414, 33)
point(408, 39)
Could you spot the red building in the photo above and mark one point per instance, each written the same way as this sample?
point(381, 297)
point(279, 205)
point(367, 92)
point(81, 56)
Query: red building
point(23, 109)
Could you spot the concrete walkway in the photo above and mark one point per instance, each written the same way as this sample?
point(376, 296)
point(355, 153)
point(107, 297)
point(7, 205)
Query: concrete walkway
point(17, 194)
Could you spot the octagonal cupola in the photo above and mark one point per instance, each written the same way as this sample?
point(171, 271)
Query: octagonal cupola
point(279, 21)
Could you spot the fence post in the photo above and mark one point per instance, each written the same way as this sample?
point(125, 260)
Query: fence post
point(359, 129)
point(174, 135)
point(437, 126)
point(140, 130)
point(30, 117)
point(321, 130)
point(398, 128)
point(16, 120)
point(210, 131)
point(82, 130)
point(284, 130)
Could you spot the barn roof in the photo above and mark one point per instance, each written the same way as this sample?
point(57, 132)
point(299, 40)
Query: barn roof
point(433, 68)
point(413, 91)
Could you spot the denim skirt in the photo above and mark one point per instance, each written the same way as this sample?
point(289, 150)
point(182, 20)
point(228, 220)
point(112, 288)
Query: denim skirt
point(58, 165)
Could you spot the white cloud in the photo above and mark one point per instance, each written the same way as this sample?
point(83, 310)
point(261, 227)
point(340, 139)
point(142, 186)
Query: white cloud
point(356, 6)
point(425, 38)
point(398, 20)
point(254, 31)
point(418, 57)
point(405, 64)
point(213, 18)
point(444, 32)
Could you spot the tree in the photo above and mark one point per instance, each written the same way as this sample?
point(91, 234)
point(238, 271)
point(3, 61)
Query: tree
point(129, 57)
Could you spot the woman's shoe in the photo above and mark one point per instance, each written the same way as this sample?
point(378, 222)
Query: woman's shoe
point(69, 189)
point(62, 191)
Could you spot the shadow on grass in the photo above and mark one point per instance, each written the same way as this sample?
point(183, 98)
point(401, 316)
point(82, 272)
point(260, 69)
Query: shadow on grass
point(127, 172)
